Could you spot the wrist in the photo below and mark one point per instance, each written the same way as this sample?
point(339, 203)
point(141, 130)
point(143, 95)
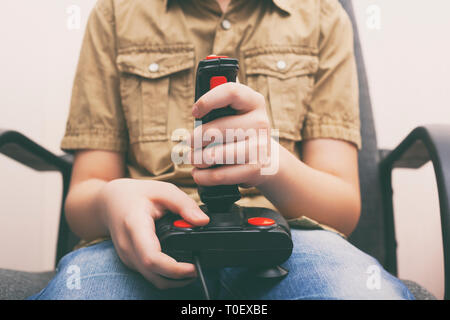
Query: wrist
point(84, 209)
point(103, 199)
point(278, 167)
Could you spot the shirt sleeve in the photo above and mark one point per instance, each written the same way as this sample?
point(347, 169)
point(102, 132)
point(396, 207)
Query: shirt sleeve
point(333, 111)
point(96, 119)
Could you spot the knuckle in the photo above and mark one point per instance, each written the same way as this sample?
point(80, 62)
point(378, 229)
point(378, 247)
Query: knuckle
point(147, 262)
point(201, 104)
point(128, 223)
point(234, 90)
point(195, 176)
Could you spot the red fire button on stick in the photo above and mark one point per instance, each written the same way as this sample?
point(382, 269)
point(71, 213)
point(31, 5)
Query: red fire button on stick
point(261, 222)
point(215, 57)
point(216, 81)
point(182, 224)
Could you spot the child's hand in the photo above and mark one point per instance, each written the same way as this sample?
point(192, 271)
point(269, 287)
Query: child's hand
point(129, 209)
point(249, 149)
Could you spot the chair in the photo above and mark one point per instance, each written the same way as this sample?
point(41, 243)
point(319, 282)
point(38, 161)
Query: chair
point(375, 233)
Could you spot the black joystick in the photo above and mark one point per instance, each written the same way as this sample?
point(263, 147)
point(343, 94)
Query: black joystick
point(257, 238)
point(212, 72)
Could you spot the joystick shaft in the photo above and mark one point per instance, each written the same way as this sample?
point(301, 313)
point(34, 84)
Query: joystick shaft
point(211, 72)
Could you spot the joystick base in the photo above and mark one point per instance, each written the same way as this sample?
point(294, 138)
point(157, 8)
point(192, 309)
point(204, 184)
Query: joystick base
point(244, 237)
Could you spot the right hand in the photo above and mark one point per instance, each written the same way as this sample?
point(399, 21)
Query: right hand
point(129, 210)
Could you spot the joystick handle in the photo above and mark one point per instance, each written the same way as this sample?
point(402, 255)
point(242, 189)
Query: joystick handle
point(211, 72)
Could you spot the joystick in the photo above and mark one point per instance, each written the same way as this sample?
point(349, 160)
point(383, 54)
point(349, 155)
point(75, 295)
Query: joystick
point(236, 236)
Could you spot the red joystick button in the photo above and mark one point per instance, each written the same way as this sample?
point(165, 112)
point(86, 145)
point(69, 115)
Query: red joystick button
point(214, 57)
point(216, 81)
point(182, 224)
point(261, 222)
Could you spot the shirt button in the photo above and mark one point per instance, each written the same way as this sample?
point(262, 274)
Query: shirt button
point(226, 24)
point(281, 65)
point(153, 67)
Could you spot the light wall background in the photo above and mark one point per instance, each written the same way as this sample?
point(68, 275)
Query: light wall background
point(408, 66)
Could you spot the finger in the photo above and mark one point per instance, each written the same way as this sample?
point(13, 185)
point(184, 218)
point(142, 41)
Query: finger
point(227, 175)
point(230, 129)
point(242, 152)
point(175, 200)
point(147, 248)
point(240, 97)
point(131, 260)
point(128, 256)
point(163, 283)
point(125, 251)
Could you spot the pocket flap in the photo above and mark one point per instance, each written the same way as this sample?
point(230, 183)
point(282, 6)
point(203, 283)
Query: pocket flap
point(280, 62)
point(156, 62)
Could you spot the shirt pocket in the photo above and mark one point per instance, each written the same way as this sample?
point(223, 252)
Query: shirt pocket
point(286, 78)
point(152, 80)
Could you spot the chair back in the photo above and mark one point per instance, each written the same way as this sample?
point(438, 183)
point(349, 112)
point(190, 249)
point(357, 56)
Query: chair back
point(369, 235)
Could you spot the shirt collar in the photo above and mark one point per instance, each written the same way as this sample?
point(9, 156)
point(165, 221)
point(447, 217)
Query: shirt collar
point(284, 5)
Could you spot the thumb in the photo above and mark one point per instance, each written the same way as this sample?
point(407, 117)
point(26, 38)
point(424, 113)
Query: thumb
point(179, 202)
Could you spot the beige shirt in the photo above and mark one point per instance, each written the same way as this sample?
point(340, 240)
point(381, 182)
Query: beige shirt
point(134, 83)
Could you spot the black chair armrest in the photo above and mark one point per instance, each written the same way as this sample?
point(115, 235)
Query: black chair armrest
point(20, 148)
point(24, 150)
point(425, 143)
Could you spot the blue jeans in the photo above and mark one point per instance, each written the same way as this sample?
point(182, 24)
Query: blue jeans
point(323, 265)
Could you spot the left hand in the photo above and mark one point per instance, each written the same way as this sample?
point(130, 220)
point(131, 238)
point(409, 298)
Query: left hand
point(244, 143)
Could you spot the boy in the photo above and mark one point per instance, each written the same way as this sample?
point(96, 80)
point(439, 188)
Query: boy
point(135, 85)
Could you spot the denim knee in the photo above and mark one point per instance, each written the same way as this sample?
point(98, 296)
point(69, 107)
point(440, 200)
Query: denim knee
point(96, 272)
point(323, 265)
point(339, 270)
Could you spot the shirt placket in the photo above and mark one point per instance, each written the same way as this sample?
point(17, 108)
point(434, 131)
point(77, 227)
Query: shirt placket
point(225, 35)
